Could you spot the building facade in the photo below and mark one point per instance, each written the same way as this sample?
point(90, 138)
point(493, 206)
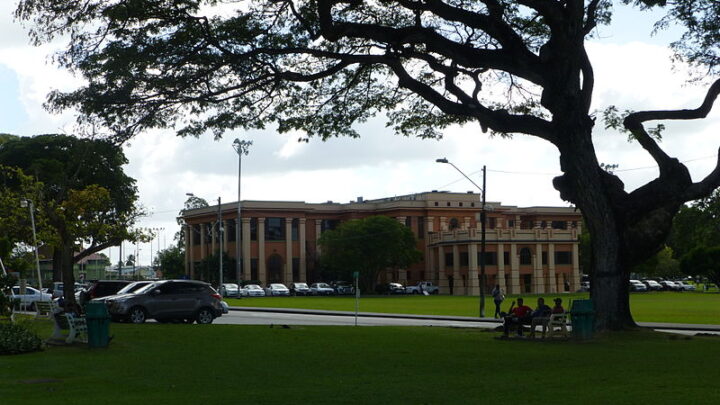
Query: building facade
point(528, 250)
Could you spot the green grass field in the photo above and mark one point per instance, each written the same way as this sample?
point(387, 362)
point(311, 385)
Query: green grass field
point(193, 364)
point(685, 307)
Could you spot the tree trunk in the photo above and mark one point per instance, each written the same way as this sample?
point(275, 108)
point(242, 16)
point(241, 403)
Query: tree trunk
point(68, 276)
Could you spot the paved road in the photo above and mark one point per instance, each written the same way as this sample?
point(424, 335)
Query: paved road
point(284, 316)
point(268, 318)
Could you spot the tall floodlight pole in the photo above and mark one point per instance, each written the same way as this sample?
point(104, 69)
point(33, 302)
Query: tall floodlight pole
point(220, 245)
point(26, 202)
point(242, 148)
point(482, 232)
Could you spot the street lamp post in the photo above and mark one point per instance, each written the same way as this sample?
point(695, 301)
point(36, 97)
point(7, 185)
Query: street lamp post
point(220, 245)
point(482, 231)
point(242, 148)
point(26, 202)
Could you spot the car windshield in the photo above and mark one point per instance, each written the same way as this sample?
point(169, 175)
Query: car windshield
point(277, 286)
point(252, 287)
point(132, 287)
point(301, 285)
point(323, 285)
point(145, 288)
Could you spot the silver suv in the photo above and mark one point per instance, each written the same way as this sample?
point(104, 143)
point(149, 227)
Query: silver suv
point(168, 301)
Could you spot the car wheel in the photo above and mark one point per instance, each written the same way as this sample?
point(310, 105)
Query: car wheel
point(204, 316)
point(137, 315)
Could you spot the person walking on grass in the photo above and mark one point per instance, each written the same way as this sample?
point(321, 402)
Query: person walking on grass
point(498, 297)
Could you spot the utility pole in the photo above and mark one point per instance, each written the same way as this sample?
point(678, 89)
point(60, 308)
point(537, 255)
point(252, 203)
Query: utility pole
point(220, 244)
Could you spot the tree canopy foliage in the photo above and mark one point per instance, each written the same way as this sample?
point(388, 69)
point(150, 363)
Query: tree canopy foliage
point(368, 246)
point(85, 200)
point(322, 66)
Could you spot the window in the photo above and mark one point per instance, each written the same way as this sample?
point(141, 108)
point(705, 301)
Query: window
point(274, 229)
point(559, 224)
point(490, 258)
point(408, 222)
point(563, 258)
point(472, 204)
point(526, 224)
point(296, 268)
point(230, 230)
point(448, 203)
point(543, 224)
point(525, 256)
point(544, 258)
point(254, 269)
point(506, 258)
point(454, 224)
point(511, 223)
point(527, 283)
point(460, 204)
point(328, 224)
point(464, 258)
point(449, 259)
point(253, 228)
point(295, 226)
point(421, 227)
point(436, 203)
point(492, 222)
point(196, 234)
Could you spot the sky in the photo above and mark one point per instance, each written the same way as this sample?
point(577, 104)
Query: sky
point(633, 70)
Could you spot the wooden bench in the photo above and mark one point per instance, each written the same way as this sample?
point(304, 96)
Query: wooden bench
point(45, 309)
point(75, 325)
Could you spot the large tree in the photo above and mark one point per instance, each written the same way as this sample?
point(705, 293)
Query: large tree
point(322, 66)
point(87, 201)
point(368, 246)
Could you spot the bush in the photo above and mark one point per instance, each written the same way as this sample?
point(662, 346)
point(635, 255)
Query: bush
point(16, 339)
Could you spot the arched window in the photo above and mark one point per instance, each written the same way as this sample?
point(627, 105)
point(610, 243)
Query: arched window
point(525, 256)
point(454, 224)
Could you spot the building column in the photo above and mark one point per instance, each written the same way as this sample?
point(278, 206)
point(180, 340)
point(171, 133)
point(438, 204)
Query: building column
point(473, 276)
point(538, 279)
point(554, 288)
point(401, 219)
point(188, 251)
point(202, 241)
point(261, 250)
point(442, 274)
point(247, 267)
point(466, 223)
point(501, 266)
point(514, 270)
point(443, 224)
point(288, 251)
point(303, 255)
point(458, 289)
point(575, 279)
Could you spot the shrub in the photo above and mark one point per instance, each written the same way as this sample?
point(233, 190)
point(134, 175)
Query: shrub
point(16, 338)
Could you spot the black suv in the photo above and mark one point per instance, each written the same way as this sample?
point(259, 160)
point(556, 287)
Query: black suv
point(101, 288)
point(168, 301)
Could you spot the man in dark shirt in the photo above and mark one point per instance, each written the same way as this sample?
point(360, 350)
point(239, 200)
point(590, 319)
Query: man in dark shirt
point(522, 314)
point(540, 316)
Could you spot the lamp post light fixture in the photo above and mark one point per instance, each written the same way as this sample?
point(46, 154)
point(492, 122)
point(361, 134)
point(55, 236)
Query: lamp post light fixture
point(27, 203)
point(241, 148)
point(482, 231)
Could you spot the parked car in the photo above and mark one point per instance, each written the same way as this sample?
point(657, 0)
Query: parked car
point(321, 289)
point(230, 290)
point(670, 286)
point(342, 287)
point(28, 299)
point(56, 289)
point(395, 288)
point(167, 301)
point(277, 289)
point(637, 286)
point(685, 286)
point(99, 289)
point(299, 289)
point(253, 290)
point(422, 287)
point(128, 289)
point(652, 285)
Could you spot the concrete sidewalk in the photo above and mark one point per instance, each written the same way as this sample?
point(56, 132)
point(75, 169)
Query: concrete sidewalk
point(652, 325)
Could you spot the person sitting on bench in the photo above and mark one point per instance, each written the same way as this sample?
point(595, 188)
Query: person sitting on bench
point(518, 316)
point(540, 316)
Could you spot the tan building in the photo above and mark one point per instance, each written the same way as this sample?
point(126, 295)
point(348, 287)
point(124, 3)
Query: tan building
point(528, 250)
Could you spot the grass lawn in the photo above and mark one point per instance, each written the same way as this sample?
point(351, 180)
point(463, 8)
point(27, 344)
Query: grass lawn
point(192, 364)
point(684, 307)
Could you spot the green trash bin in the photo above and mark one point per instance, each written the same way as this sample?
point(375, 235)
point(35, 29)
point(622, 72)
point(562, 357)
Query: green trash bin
point(582, 315)
point(98, 324)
